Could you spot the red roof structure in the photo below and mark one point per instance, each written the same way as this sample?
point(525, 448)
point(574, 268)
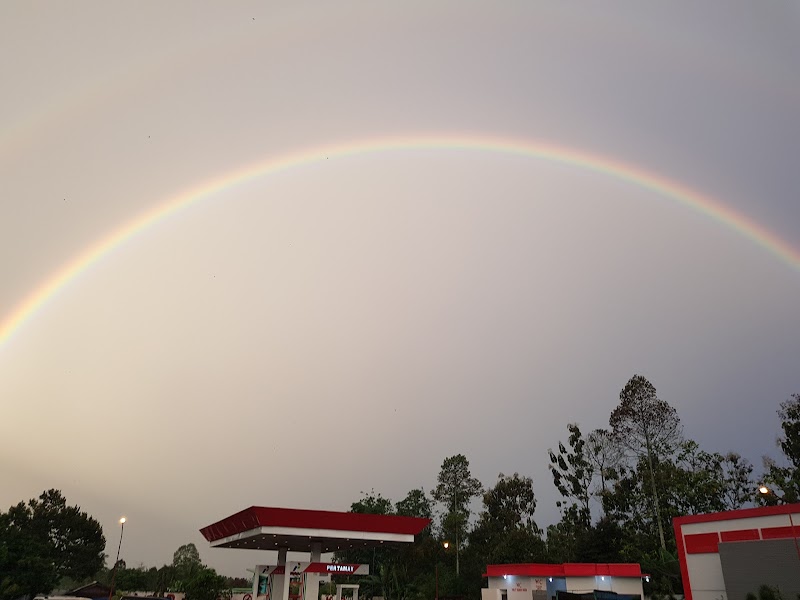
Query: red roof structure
point(267, 528)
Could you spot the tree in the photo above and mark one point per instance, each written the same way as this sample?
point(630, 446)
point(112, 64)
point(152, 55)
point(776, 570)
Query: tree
point(709, 481)
point(787, 478)
point(692, 482)
point(647, 427)
point(415, 504)
point(25, 569)
point(164, 580)
point(606, 455)
point(205, 584)
point(601, 543)
point(131, 579)
point(373, 504)
point(406, 573)
point(510, 504)
point(737, 475)
point(186, 562)
point(573, 474)
point(765, 592)
point(455, 488)
point(506, 531)
point(45, 540)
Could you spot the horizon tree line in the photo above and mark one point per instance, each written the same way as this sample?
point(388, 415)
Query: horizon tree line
point(619, 489)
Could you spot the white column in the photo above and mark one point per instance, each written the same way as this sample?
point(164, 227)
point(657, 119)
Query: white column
point(280, 583)
point(312, 579)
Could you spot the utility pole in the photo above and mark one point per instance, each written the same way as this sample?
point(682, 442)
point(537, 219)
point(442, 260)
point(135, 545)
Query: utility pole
point(458, 526)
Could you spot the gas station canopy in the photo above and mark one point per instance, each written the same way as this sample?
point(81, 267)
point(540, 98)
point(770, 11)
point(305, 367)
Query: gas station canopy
point(298, 530)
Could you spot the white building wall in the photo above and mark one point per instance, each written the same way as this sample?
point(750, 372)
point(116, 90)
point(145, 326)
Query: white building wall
point(580, 585)
point(517, 587)
point(604, 583)
point(705, 573)
point(628, 585)
point(520, 594)
point(497, 582)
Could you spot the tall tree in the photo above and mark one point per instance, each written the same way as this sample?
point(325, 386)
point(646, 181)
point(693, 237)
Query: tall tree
point(787, 478)
point(648, 427)
point(572, 475)
point(455, 489)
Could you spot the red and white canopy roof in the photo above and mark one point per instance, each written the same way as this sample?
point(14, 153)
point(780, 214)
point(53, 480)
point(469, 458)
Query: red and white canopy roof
point(265, 528)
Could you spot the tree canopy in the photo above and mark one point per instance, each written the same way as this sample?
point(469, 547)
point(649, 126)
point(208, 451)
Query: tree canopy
point(45, 540)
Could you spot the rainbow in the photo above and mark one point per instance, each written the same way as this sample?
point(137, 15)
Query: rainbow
point(663, 187)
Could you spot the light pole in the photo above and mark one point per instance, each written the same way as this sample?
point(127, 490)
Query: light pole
point(445, 545)
point(116, 562)
point(458, 525)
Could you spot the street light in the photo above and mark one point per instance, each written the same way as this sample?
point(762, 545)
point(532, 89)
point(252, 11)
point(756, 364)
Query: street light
point(116, 562)
point(770, 497)
point(458, 525)
point(445, 545)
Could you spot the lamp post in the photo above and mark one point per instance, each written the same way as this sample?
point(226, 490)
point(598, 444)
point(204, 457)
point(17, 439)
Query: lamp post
point(458, 526)
point(445, 545)
point(116, 562)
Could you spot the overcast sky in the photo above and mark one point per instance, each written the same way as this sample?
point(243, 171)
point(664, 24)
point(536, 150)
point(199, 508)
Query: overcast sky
point(349, 323)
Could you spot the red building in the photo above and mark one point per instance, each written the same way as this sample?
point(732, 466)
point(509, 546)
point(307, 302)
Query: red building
point(726, 555)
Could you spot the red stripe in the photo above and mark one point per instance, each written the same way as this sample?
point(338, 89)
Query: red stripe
point(702, 543)
point(779, 533)
point(740, 535)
